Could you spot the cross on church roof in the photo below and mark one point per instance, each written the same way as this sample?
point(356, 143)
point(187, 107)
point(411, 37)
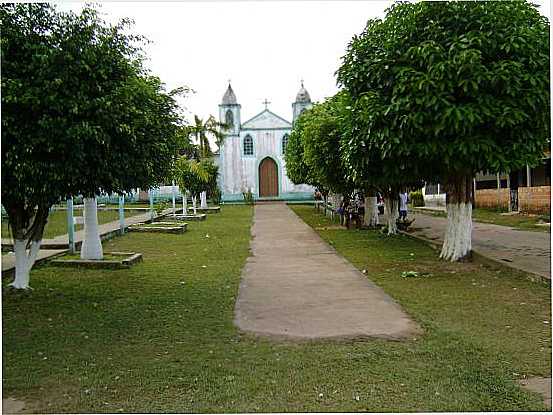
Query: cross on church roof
point(266, 103)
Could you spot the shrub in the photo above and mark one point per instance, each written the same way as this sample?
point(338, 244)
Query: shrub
point(216, 196)
point(160, 207)
point(416, 198)
point(248, 197)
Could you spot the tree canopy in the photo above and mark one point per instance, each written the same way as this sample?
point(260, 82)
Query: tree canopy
point(80, 115)
point(462, 86)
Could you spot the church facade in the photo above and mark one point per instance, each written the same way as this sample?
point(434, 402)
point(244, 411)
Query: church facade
point(252, 154)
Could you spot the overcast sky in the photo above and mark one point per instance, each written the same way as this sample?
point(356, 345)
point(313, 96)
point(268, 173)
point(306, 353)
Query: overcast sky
point(265, 48)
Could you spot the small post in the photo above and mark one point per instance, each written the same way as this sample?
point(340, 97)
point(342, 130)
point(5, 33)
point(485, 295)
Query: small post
point(151, 194)
point(528, 176)
point(498, 191)
point(70, 226)
point(509, 190)
point(121, 214)
point(174, 200)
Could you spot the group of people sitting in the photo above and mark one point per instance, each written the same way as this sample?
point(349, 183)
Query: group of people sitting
point(352, 208)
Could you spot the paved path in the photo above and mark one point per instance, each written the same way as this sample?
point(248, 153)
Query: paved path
point(295, 285)
point(525, 250)
point(59, 244)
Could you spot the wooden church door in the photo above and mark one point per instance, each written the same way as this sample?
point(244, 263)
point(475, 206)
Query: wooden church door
point(268, 178)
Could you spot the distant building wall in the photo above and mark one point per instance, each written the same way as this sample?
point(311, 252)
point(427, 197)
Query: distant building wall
point(488, 198)
point(535, 199)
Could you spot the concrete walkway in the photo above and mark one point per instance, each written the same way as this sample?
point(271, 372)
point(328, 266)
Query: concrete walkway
point(295, 285)
point(524, 250)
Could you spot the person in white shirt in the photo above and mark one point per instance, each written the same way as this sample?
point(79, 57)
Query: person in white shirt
point(403, 200)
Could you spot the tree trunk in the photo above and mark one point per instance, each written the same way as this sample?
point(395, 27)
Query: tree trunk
point(92, 245)
point(458, 237)
point(194, 204)
point(203, 200)
point(24, 262)
point(184, 203)
point(371, 212)
point(391, 206)
point(174, 198)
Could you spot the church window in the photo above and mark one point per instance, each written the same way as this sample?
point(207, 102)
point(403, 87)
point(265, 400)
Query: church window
point(248, 146)
point(284, 143)
point(229, 119)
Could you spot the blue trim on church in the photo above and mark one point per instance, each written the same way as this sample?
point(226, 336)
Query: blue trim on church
point(287, 196)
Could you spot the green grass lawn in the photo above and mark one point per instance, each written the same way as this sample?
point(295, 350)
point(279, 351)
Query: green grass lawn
point(159, 337)
point(57, 221)
point(518, 221)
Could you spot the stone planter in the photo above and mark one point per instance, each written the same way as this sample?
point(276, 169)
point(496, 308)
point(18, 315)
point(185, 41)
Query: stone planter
point(159, 227)
point(180, 217)
point(115, 260)
point(210, 209)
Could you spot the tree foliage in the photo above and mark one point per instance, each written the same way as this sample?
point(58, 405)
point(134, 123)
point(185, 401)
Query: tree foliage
point(191, 175)
point(201, 131)
point(80, 115)
point(453, 88)
point(313, 151)
point(323, 127)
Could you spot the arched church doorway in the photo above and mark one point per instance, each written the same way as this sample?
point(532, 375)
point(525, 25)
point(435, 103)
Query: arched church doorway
point(268, 178)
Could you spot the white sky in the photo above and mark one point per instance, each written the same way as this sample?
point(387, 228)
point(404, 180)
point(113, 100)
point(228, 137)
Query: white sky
point(264, 47)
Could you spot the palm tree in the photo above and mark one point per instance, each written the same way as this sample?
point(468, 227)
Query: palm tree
point(201, 130)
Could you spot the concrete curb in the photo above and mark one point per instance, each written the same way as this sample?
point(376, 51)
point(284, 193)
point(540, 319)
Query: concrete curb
point(483, 259)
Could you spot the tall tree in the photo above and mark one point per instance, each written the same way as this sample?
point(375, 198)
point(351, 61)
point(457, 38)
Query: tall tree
point(201, 131)
point(79, 117)
point(463, 86)
point(365, 162)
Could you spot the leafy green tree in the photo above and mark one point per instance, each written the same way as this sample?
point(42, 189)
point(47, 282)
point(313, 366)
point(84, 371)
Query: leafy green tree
point(364, 161)
point(321, 133)
point(213, 172)
point(79, 117)
point(297, 170)
point(462, 86)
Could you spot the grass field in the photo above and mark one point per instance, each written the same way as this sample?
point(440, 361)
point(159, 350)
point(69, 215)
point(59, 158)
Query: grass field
point(57, 221)
point(518, 221)
point(159, 337)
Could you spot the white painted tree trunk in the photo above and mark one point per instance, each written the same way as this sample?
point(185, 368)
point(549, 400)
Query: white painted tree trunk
point(92, 245)
point(24, 262)
point(458, 236)
point(391, 207)
point(184, 203)
point(203, 200)
point(371, 212)
point(194, 204)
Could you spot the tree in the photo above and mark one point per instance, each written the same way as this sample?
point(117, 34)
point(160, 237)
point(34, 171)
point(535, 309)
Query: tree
point(463, 87)
point(191, 176)
point(296, 168)
point(201, 131)
point(364, 161)
point(312, 154)
point(79, 117)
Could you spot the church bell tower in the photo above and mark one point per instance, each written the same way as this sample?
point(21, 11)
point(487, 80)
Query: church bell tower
point(303, 102)
point(229, 112)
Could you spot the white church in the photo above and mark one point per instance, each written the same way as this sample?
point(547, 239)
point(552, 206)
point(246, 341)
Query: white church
point(252, 154)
